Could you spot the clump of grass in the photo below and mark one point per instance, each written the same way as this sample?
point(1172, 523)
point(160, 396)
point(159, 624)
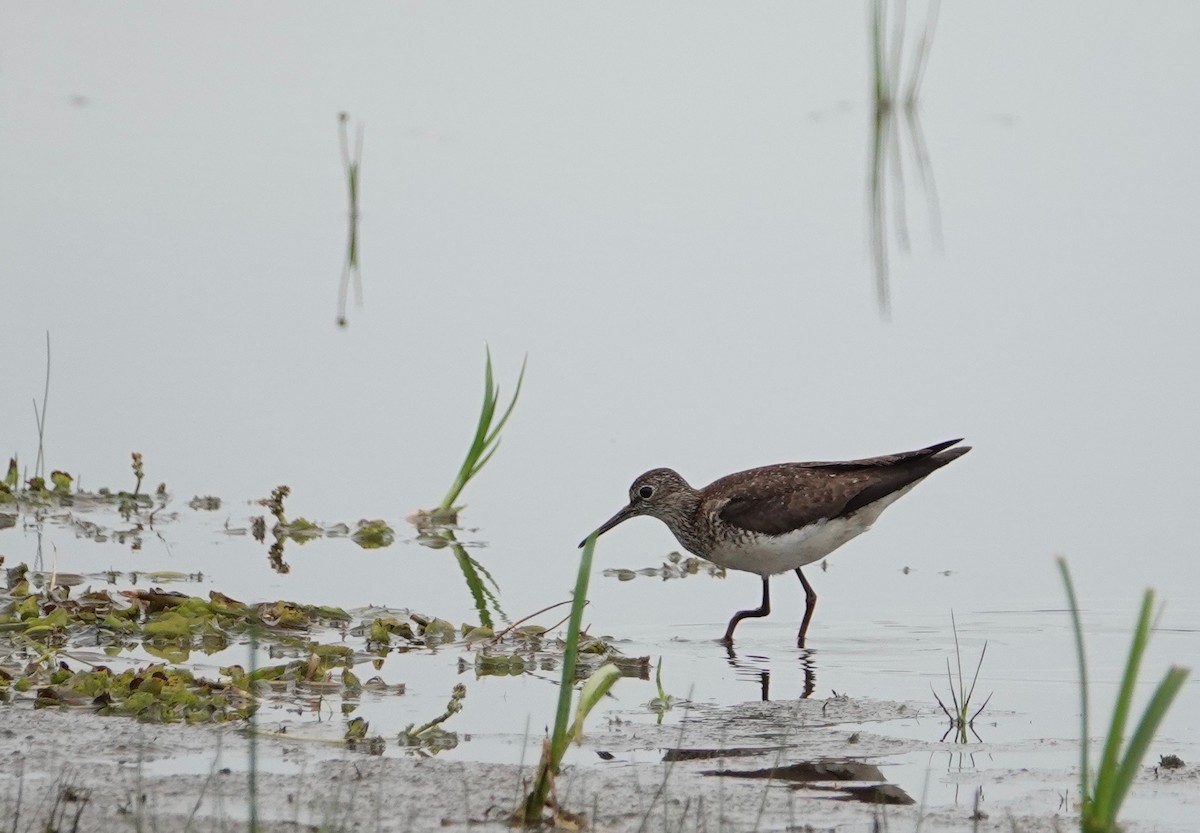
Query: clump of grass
point(594, 688)
point(1105, 790)
point(483, 445)
point(961, 699)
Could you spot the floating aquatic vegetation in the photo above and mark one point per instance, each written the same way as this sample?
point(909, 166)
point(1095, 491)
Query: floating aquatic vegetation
point(59, 505)
point(155, 693)
point(159, 618)
point(368, 534)
point(356, 737)
point(676, 566)
point(430, 738)
point(372, 535)
point(524, 651)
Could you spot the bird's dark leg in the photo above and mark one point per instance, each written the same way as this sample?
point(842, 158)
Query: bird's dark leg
point(810, 604)
point(761, 610)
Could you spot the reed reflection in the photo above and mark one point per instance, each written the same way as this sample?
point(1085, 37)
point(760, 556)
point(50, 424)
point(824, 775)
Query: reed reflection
point(896, 117)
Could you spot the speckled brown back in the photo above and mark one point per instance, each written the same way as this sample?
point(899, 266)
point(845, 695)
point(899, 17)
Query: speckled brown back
point(776, 499)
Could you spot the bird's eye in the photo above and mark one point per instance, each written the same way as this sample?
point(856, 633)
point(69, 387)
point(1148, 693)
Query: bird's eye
point(645, 492)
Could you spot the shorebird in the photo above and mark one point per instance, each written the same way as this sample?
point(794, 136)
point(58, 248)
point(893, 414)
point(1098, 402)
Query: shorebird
point(777, 518)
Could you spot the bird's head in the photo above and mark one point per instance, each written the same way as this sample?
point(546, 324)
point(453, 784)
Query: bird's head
point(660, 493)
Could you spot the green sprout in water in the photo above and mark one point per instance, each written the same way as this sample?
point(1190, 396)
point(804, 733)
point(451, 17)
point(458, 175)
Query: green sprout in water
point(130, 502)
point(959, 720)
point(1103, 795)
point(663, 702)
point(483, 446)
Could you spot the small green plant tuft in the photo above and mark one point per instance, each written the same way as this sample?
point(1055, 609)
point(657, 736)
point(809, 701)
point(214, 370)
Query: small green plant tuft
point(1104, 791)
point(662, 702)
point(961, 718)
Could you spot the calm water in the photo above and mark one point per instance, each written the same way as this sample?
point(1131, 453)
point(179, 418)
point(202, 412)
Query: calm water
point(667, 211)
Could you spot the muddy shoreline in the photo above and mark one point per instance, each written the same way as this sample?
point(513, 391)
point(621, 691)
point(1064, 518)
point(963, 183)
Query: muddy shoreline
point(63, 765)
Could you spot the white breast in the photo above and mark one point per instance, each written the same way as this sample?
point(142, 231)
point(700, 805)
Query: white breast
point(767, 555)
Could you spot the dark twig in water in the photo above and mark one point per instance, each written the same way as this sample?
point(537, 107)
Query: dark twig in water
point(523, 619)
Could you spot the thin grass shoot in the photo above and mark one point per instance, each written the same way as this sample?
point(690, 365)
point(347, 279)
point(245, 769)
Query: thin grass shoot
point(961, 718)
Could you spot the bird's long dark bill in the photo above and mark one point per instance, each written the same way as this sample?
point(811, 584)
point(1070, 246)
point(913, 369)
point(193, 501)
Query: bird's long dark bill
point(624, 515)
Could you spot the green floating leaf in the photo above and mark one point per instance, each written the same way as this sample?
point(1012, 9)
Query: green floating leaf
point(169, 626)
point(62, 482)
point(371, 535)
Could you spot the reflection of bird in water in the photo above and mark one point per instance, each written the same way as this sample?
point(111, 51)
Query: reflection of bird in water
point(778, 518)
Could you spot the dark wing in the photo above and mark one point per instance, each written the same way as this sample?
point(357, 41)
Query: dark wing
point(891, 459)
point(778, 499)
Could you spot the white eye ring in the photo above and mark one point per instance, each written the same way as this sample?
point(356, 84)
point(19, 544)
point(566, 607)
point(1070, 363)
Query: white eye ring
point(646, 492)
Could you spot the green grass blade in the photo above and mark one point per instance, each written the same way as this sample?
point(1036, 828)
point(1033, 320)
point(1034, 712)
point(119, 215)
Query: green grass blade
point(1107, 771)
point(560, 738)
point(975, 679)
point(1084, 775)
point(1171, 683)
point(878, 74)
point(485, 435)
point(483, 461)
point(921, 57)
point(474, 584)
point(512, 404)
point(552, 754)
point(958, 659)
point(486, 413)
point(486, 574)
